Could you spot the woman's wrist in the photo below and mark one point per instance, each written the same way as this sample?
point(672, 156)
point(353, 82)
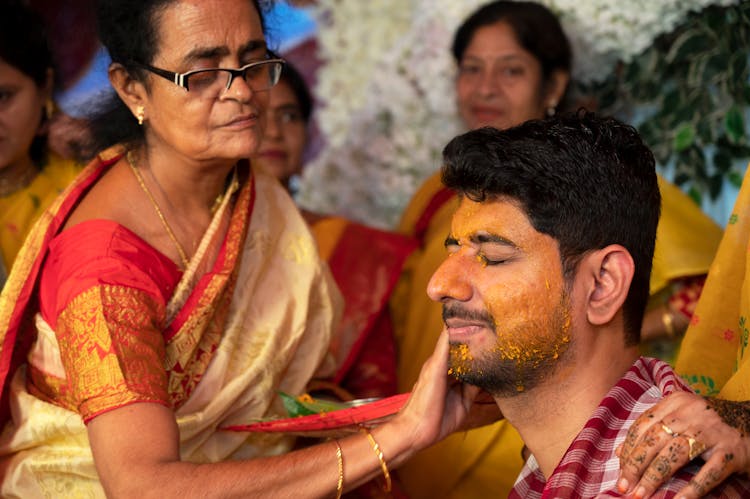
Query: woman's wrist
point(397, 440)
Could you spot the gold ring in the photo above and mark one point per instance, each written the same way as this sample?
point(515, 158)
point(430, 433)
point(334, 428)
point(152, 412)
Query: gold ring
point(667, 429)
point(696, 448)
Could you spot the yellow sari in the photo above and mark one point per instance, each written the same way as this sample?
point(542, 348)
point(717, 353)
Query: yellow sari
point(712, 356)
point(260, 323)
point(485, 462)
point(19, 211)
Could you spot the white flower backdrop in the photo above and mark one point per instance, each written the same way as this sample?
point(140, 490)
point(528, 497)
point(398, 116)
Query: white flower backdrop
point(387, 88)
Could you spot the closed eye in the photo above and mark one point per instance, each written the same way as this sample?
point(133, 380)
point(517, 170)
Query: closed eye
point(487, 261)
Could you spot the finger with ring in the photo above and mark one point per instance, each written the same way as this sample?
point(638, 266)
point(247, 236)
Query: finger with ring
point(696, 448)
point(668, 430)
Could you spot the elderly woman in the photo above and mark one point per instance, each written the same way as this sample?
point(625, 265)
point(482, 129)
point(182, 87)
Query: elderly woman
point(172, 290)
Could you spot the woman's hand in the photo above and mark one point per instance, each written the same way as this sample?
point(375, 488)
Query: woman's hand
point(440, 405)
point(675, 431)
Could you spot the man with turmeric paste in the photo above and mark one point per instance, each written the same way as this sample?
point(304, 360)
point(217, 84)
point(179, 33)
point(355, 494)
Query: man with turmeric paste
point(543, 295)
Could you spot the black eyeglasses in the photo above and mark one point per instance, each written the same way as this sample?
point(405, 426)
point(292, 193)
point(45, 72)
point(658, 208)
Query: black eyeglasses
point(259, 76)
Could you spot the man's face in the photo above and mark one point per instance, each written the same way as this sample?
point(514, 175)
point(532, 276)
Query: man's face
point(504, 298)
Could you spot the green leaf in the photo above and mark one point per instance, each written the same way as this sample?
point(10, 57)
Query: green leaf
point(684, 137)
point(734, 124)
point(297, 407)
point(695, 195)
point(735, 178)
point(293, 406)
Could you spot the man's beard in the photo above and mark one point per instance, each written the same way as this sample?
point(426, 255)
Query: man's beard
point(520, 360)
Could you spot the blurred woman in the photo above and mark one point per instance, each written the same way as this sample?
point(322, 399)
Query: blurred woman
point(514, 64)
point(173, 290)
point(31, 175)
point(365, 262)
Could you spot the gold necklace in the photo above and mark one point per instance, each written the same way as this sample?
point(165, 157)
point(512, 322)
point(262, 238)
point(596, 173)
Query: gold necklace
point(170, 233)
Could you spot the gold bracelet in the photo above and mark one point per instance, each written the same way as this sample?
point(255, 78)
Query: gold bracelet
point(668, 320)
point(379, 453)
point(340, 461)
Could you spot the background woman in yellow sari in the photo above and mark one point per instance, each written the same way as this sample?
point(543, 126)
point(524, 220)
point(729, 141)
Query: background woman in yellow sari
point(514, 64)
point(31, 175)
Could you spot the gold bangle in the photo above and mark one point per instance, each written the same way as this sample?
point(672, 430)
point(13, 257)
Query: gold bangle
point(340, 461)
point(379, 453)
point(668, 320)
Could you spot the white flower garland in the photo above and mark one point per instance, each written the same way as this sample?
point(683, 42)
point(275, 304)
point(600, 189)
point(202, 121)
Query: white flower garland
point(387, 88)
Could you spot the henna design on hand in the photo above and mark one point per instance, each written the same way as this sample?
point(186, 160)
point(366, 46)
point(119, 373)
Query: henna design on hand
point(735, 414)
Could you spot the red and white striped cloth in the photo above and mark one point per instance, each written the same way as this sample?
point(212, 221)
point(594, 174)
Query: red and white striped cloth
point(590, 468)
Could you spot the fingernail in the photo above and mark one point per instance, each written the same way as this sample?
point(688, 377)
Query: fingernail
point(622, 485)
point(640, 493)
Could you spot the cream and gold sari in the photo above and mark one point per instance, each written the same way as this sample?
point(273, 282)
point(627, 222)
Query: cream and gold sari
point(257, 323)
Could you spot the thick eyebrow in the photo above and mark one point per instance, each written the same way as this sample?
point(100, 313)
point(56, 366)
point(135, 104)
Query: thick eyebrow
point(485, 237)
point(482, 238)
point(202, 53)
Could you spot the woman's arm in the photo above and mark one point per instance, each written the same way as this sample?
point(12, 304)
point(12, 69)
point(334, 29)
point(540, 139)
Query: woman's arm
point(136, 447)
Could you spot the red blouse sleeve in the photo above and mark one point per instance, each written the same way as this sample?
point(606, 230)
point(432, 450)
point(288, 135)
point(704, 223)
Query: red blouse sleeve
point(104, 291)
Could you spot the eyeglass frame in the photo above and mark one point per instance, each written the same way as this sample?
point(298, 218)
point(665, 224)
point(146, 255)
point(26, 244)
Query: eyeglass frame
point(181, 79)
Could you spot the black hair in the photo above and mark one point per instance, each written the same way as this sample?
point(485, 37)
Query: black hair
point(24, 45)
point(584, 180)
point(128, 29)
point(536, 28)
point(297, 83)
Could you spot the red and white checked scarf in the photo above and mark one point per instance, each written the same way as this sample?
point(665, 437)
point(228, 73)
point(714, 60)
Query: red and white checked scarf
point(590, 468)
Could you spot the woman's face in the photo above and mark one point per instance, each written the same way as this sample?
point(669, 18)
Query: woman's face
point(499, 83)
point(201, 35)
point(285, 137)
point(21, 107)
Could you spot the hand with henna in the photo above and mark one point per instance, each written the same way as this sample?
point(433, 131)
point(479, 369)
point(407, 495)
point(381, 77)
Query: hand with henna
point(682, 427)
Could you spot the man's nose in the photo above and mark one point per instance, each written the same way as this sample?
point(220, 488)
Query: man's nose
point(452, 280)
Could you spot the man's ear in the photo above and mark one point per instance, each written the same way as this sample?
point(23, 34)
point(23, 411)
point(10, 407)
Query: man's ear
point(610, 272)
point(131, 91)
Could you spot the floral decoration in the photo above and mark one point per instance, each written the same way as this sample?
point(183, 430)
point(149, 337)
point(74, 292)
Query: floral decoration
point(387, 88)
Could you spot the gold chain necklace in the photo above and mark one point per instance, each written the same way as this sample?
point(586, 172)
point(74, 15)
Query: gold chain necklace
point(170, 233)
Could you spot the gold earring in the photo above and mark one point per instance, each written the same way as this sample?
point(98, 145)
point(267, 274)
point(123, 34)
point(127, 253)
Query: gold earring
point(49, 108)
point(140, 114)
